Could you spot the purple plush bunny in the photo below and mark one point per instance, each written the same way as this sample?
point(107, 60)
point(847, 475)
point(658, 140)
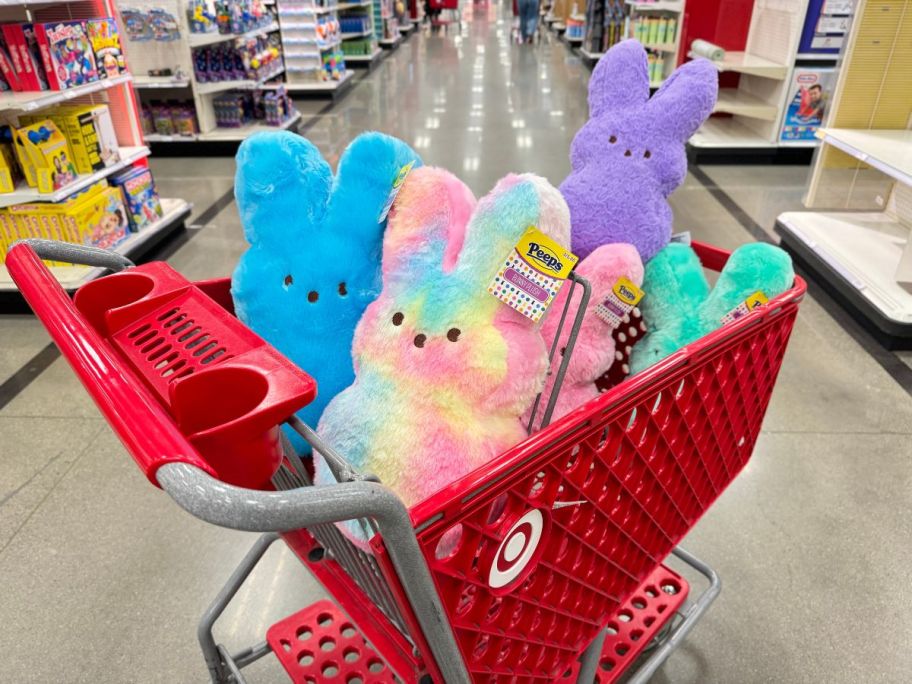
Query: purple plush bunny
point(629, 157)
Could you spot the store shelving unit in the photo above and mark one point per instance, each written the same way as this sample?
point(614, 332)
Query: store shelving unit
point(782, 54)
point(177, 55)
point(669, 50)
point(360, 47)
point(308, 48)
point(858, 238)
point(117, 93)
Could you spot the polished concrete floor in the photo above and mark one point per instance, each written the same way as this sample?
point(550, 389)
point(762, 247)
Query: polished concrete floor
point(103, 578)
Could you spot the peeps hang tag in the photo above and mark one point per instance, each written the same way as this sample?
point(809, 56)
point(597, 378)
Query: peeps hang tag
point(398, 181)
point(531, 276)
point(619, 302)
point(745, 307)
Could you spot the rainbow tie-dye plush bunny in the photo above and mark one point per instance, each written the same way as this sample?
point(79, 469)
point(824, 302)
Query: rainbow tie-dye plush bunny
point(444, 370)
point(314, 260)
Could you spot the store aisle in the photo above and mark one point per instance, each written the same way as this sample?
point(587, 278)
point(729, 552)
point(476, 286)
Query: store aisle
point(105, 578)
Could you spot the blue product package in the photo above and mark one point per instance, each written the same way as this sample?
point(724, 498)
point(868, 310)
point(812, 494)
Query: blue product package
point(140, 198)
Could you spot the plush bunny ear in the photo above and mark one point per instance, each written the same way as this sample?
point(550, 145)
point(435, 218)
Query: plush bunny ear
point(363, 183)
point(516, 203)
point(620, 79)
point(426, 227)
point(686, 98)
point(282, 185)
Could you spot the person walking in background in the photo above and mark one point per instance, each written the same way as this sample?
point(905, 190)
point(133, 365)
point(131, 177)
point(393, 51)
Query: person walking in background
point(528, 19)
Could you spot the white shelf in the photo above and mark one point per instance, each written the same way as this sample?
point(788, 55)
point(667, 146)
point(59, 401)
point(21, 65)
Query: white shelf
point(745, 63)
point(354, 5)
point(735, 101)
point(318, 86)
point(359, 34)
point(364, 58)
point(243, 132)
point(828, 57)
point(26, 195)
point(28, 102)
point(659, 5)
point(142, 82)
point(575, 41)
point(591, 55)
point(158, 137)
point(72, 277)
point(864, 248)
point(558, 26)
point(244, 84)
point(201, 39)
point(717, 132)
point(889, 151)
point(390, 43)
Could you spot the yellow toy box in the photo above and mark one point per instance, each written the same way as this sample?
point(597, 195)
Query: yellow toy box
point(44, 155)
point(9, 168)
point(90, 133)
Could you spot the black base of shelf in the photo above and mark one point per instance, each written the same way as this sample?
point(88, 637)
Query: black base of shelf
point(771, 156)
point(196, 148)
point(888, 332)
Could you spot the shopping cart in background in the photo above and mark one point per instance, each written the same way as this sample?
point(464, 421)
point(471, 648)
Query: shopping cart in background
point(543, 565)
point(435, 10)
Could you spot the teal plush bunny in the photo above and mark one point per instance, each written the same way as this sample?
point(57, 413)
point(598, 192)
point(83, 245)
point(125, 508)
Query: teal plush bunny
point(679, 307)
point(315, 239)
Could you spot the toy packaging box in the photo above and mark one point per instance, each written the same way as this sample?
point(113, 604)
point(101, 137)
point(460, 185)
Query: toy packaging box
point(140, 198)
point(67, 54)
point(9, 74)
point(808, 96)
point(9, 168)
point(90, 133)
point(105, 40)
point(24, 52)
point(44, 155)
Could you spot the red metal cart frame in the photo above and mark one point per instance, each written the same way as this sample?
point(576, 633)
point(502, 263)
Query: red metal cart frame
point(552, 565)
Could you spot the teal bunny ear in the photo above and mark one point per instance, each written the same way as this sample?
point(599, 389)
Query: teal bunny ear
point(753, 267)
point(367, 170)
point(516, 203)
point(282, 186)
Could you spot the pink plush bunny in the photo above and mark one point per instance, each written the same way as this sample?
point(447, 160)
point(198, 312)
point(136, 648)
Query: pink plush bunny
point(443, 369)
point(594, 352)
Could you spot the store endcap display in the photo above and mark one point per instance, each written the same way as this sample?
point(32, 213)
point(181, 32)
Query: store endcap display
point(444, 370)
point(630, 155)
point(315, 241)
point(680, 307)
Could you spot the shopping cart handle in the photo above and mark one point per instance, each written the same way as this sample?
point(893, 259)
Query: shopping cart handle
point(53, 250)
point(147, 431)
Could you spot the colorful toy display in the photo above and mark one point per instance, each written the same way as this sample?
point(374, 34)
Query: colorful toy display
point(306, 302)
point(444, 370)
point(806, 107)
point(140, 197)
point(629, 157)
point(200, 17)
point(69, 59)
point(679, 307)
point(25, 55)
point(89, 131)
point(255, 59)
point(105, 40)
point(615, 274)
point(44, 156)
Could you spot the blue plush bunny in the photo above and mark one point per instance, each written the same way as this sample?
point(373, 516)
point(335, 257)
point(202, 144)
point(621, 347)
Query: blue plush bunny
point(315, 244)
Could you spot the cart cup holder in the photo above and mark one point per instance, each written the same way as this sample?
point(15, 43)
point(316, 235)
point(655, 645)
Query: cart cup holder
point(226, 388)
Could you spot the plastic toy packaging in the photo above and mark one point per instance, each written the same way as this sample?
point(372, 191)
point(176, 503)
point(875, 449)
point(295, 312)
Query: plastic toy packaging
point(183, 117)
point(136, 24)
point(161, 116)
point(44, 156)
point(147, 121)
point(89, 131)
point(200, 17)
point(165, 26)
point(69, 59)
point(140, 197)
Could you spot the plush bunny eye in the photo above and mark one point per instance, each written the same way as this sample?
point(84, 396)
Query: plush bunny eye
point(288, 280)
point(313, 296)
point(647, 154)
point(398, 317)
point(420, 339)
point(453, 334)
point(342, 289)
point(613, 139)
point(627, 153)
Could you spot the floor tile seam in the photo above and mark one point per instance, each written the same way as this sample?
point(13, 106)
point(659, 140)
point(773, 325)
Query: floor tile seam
point(844, 433)
point(52, 488)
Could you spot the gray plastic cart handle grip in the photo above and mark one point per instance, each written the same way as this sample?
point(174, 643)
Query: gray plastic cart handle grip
point(78, 254)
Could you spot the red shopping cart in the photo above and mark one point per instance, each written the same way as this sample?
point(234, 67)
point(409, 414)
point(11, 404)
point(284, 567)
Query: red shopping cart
point(552, 567)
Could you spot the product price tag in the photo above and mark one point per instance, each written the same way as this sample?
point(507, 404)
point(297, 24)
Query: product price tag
point(682, 237)
point(620, 301)
point(531, 276)
point(394, 191)
point(745, 307)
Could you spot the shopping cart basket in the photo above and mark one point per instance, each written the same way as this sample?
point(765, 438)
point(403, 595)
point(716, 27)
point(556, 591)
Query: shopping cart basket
point(551, 568)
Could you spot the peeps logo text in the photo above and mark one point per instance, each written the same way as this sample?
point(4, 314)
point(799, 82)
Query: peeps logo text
point(545, 257)
point(626, 293)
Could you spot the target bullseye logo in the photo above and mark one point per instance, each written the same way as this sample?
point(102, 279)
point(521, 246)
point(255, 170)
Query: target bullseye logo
point(517, 549)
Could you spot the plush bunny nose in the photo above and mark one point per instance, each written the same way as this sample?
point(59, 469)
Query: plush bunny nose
point(420, 340)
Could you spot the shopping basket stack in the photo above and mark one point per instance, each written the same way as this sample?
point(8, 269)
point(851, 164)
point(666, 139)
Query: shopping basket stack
point(556, 571)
